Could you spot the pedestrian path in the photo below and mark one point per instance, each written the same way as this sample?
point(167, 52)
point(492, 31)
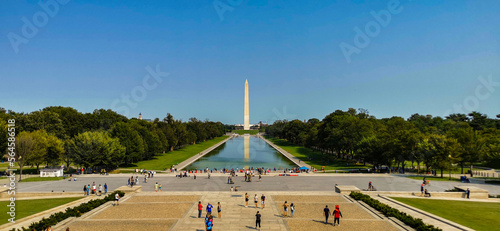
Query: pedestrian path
point(179, 211)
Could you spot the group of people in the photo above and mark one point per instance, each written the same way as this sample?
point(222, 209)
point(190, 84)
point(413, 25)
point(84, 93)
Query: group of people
point(157, 187)
point(133, 181)
point(423, 191)
point(289, 210)
point(150, 173)
point(258, 216)
point(233, 171)
point(94, 189)
point(256, 200)
point(336, 214)
point(209, 219)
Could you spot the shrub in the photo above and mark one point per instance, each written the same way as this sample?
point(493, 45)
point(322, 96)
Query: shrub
point(71, 212)
point(388, 211)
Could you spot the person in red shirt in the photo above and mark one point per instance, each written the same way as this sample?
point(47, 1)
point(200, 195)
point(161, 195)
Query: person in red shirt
point(336, 215)
point(200, 208)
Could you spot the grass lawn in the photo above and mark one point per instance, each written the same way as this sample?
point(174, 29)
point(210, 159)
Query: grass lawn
point(431, 178)
point(31, 179)
point(241, 132)
point(26, 208)
point(316, 161)
point(164, 161)
point(476, 215)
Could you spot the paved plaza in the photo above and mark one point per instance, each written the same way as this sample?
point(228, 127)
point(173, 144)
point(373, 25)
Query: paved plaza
point(273, 182)
point(178, 211)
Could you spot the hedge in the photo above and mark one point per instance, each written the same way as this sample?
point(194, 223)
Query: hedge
point(388, 211)
point(71, 212)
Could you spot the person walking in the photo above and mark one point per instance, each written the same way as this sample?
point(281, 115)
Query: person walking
point(285, 208)
point(100, 190)
point(84, 190)
point(219, 209)
point(88, 189)
point(105, 189)
point(156, 187)
point(336, 215)
point(200, 208)
point(159, 188)
point(422, 190)
point(326, 213)
point(246, 200)
point(467, 193)
point(263, 201)
point(257, 219)
point(292, 209)
point(256, 201)
point(209, 209)
point(117, 199)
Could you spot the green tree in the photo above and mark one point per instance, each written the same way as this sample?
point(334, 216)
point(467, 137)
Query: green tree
point(45, 120)
point(131, 140)
point(445, 152)
point(25, 144)
point(97, 149)
point(55, 150)
point(72, 120)
point(3, 136)
point(39, 149)
point(472, 144)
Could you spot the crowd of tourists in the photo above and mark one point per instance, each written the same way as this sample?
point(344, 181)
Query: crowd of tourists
point(94, 189)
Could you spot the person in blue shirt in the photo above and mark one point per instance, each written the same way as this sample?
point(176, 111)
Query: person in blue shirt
point(105, 189)
point(209, 209)
point(209, 222)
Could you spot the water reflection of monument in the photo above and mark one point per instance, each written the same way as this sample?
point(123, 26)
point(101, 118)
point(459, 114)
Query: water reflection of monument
point(247, 148)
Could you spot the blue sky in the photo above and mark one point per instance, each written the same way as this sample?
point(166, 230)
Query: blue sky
point(431, 57)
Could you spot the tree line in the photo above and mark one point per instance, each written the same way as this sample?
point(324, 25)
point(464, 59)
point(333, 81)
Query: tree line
point(101, 139)
point(436, 142)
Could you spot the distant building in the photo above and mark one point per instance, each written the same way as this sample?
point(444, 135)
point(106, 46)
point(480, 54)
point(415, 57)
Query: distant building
point(51, 172)
point(140, 118)
point(251, 126)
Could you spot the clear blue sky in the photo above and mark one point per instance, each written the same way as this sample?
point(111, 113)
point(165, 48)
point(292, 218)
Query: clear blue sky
point(426, 59)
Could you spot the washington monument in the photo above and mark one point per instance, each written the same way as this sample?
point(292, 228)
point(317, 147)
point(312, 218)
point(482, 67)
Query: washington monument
point(246, 125)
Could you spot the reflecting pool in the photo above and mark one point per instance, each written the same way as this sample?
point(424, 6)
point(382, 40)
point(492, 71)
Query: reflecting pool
point(243, 152)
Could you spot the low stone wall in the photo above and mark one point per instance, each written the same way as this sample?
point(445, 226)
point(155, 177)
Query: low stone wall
point(127, 189)
point(473, 195)
point(346, 189)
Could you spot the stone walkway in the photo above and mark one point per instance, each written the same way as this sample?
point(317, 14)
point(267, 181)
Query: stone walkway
point(178, 211)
